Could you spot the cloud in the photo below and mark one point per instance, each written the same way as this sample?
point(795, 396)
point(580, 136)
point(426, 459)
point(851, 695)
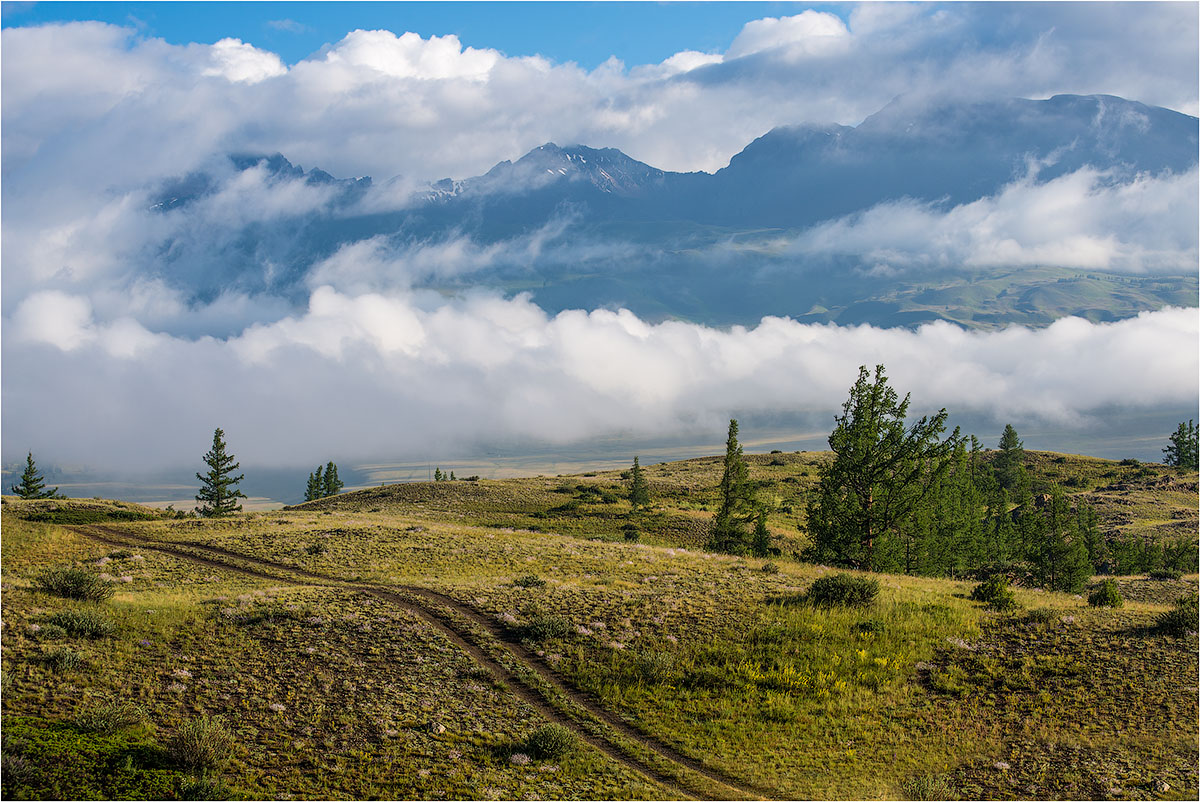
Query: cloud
point(1079, 220)
point(237, 61)
point(809, 33)
point(403, 374)
point(288, 25)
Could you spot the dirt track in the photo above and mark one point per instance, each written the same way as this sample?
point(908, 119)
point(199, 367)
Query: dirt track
point(536, 684)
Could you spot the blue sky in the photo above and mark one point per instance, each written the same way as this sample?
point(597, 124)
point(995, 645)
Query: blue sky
point(586, 33)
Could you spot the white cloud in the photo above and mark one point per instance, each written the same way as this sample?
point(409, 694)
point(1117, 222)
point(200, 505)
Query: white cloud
point(1079, 220)
point(809, 33)
point(392, 374)
point(237, 61)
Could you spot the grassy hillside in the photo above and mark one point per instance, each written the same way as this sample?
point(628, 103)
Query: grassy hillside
point(416, 641)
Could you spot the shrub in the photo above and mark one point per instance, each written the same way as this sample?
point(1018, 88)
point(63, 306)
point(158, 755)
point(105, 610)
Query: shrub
point(63, 660)
point(109, 716)
point(770, 568)
point(317, 549)
point(550, 742)
point(631, 533)
point(928, 787)
point(1180, 620)
point(870, 627)
point(81, 623)
point(995, 593)
point(51, 632)
point(205, 786)
point(74, 583)
point(654, 667)
point(1106, 594)
point(529, 581)
point(842, 590)
point(1042, 615)
point(547, 627)
point(200, 743)
point(1166, 574)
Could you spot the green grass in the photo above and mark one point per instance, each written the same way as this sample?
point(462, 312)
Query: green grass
point(331, 693)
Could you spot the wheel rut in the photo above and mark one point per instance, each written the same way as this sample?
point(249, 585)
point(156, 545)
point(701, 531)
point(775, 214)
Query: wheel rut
point(447, 614)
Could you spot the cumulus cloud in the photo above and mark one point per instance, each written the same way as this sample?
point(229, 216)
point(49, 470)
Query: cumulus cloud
point(1079, 220)
point(401, 375)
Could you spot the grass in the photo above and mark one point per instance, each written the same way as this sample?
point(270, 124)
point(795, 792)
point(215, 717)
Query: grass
point(327, 692)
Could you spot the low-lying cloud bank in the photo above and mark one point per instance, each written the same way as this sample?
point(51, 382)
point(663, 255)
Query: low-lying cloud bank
point(403, 376)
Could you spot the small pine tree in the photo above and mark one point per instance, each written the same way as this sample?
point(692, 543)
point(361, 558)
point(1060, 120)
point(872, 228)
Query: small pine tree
point(737, 500)
point(452, 478)
point(1010, 461)
point(331, 485)
point(32, 484)
point(1184, 448)
point(639, 491)
point(437, 474)
point(312, 490)
point(218, 492)
point(760, 543)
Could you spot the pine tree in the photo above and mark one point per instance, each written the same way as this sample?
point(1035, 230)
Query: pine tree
point(639, 491)
point(1009, 464)
point(1184, 448)
point(1056, 550)
point(437, 474)
point(331, 485)
point(760, 543)
point(868, 498)
point(312, 491)
point(32, 484)
point(218, 492)
point(452, 476)
point(738, 507)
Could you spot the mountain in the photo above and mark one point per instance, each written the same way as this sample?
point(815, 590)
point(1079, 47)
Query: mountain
point(704, 246)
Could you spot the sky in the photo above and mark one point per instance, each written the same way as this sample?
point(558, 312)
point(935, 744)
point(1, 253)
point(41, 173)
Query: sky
point(107, 358)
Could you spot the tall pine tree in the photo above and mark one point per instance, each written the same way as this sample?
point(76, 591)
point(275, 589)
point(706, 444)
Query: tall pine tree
point(332, 485)
point(218, 487)
point(32, 484)
point(1009, 464)
point(639, 491)
point(1184, 448)
point(730, 529)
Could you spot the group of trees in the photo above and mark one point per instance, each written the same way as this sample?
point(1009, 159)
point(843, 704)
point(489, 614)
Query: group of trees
point(322, 484)
point(1183, 450)
point(909, 498)
point(441, 476)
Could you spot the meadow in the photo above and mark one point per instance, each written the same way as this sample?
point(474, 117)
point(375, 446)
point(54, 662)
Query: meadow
point(530, 638)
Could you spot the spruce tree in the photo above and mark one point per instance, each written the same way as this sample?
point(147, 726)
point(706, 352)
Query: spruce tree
point(1009, 464)
point(760, 543)
point(437, 474)
point(729, 529)
point(1184, 448)
point(32, 484)
point(1057, 549)
point(639, 491)
point(312, 491)
point(331, 485)
point(218, 492)
point(452, 476)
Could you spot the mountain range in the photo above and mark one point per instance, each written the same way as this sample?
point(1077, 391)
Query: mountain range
point(613, 231)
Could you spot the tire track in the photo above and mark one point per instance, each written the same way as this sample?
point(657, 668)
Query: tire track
point(439, 610)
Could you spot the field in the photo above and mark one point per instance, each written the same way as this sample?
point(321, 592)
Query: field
point(508, 639)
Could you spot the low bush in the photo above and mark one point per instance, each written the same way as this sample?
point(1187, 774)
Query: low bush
point(72, 582)
point(1165, 574)
point(63, 660)
point(654, 667)
point(550, 742)
point(1042, 615)
point(317, 549)
point(109, 716)
point(870, 627)
point(201, 743)
point(770, 568)
point(81, 623)
point(547, 627)
point(1181, 619)
point(1106, 594)
point(529, 581)
point(51, 632)
point(631, 533)
point(928, 787)
point(842, 590)
point(205, 786)
point(995, 593)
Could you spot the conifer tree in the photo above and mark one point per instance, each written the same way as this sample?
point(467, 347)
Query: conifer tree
point(738, 508)
point(331, 485)
point(437, 474)
point(760, 543)
point(1184, 448)
point(1056, 549)
point(452, 476)
point(218, 492)
point(313, 489)
point(1009, 464)
point(639, 491)
point(32, 484)
point(870, 495)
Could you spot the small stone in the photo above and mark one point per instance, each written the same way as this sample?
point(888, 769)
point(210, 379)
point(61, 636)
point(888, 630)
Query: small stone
point(436, 728)
point(1162, 786)
point(1001, 765)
